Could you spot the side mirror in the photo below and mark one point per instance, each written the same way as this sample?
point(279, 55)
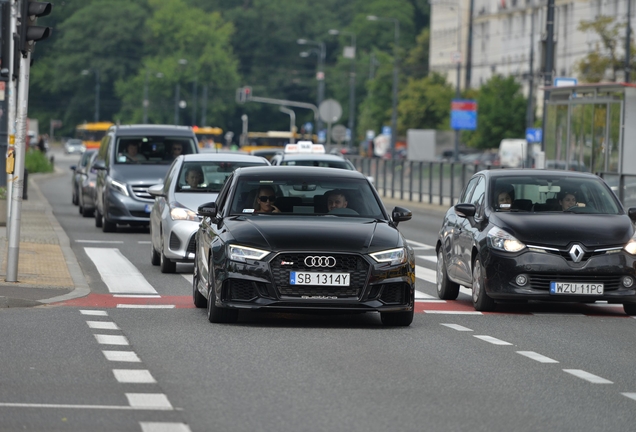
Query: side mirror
point(156, 190)
point(465, 210)
point(401, 214)
point(73, 167)
point(632, 213)
point(99, 165)
point(207, 210)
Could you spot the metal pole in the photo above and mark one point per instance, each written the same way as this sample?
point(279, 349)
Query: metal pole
point(395, 89)
point(459, 69)
point(549, 60)
point(469, 44)
point(145, 102)
point(321, 81)
point(292, 121)
point(194, 100)
point(530, 107)
point(11, 87)
point(176, 104)
point(18, 183)
point(96, 94)
point(457, 96)
point(628, 49)
point(244, 119)
point(204, 106)
point(352, 92)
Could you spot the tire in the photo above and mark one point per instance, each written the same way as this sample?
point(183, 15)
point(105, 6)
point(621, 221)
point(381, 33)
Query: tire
point(165, 264)
point(81, 209)
point(87, 212)
point(98, 218)
point(397, 319)
point(481, 301)
point(446, 289)
point(75, 198)
point(216, 314)
point(155, 259)
point(629, 308)
point(198, 299)
point(108, 226)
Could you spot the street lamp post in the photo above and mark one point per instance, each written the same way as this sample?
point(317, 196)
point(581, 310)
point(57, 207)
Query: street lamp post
point(352, 80)
point(146, 101)
point(86, 72)
point(177, 92)
point(396, 22)
point(320, 75)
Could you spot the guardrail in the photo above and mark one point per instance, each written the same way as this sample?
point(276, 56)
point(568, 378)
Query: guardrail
point(442, 182)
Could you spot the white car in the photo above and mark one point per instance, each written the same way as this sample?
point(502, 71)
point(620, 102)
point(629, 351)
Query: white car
point(173, 217)
point(74, 146)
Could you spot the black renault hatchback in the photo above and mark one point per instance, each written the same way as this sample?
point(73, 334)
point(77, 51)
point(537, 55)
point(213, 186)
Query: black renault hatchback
point(538, 235)
point(302, 239)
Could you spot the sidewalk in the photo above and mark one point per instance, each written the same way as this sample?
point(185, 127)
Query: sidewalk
point(47, 268)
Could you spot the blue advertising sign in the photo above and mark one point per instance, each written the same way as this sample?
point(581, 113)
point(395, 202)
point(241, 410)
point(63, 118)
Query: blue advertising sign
point(534, 135)
point(463, 114)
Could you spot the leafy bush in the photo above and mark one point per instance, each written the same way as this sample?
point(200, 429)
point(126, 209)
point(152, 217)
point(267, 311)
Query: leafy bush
point(3, 193)
point(37, 162)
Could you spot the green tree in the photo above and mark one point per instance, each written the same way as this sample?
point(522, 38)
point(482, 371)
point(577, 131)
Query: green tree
point(416, 63)
point(425, 104)
point(501, 111)
point(593, 67)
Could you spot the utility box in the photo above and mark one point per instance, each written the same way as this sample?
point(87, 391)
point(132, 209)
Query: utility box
point(428, 144)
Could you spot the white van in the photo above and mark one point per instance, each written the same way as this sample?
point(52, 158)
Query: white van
point(513, 153)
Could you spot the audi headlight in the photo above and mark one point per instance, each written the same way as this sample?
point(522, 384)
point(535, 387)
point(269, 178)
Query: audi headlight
point(181, 213)
point(393, 256)
point(630, 247)
point(243, 253)
point(501, 240)
point(118, 187)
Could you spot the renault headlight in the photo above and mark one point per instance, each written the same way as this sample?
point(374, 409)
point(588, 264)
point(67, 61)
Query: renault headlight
point(244, 253)
point(392, 256)
point(630, 247)
point(118, 187)
point(181, 213)
point(501, 240)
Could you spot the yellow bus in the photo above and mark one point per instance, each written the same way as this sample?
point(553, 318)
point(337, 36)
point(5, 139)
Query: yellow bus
point(209, 137)
point(91, 134)
point(273, 140)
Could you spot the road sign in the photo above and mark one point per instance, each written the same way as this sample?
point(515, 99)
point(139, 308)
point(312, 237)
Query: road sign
point(463, 114)
point(330, 111)
point(308, 127)
point(339, 133)
point(386, 130)
point(565, 82)
point(322, 136)
point(534, 135)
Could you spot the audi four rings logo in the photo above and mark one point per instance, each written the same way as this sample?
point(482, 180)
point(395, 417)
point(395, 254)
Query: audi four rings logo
point(320, 261)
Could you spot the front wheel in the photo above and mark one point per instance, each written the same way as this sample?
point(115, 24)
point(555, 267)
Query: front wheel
point(199, 301)
point(446, 289)
point(481, 301)
point(397, 319)
point(98, 218)
point(108, 226)
point(218, 314)
point(165, 264)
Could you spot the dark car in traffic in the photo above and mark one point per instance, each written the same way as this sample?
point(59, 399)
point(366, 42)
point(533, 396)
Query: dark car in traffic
point(546, 235)
point(132, 158)
point(80, 172)
point(313, 253)
point(86, 197)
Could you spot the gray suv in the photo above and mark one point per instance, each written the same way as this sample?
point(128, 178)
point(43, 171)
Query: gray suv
point(132, 158)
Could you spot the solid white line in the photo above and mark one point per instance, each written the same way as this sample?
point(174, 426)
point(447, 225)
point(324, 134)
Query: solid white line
point(65, 406)
point(100, 241)
point(148, 400)
point(102, 325)
point(122, 356)
point(440, 312)
point(144, 242)
point(137, 295)
point(137, 306)
point(139, 376)
point(536, 356)
point(630, 395)
point(433, 300)
point(119, 274)
point(594, 379)
point(94, 312)
point(426, 274)
point(420, 295)
point(492, 340)
point(457, 327)
point(431, 258)
point(164, 427)
point(111, 339)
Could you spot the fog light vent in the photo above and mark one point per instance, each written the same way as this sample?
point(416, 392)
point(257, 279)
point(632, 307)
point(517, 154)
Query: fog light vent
point(521, 280)
point(628, 281)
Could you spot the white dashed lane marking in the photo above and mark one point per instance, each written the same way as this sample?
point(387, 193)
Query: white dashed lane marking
point(492, 340)
point(149, 400)
point(94, 312)
point(164, 427)
point(111, 339)
point(457, 327)
point(122, 356)
point(594, 379)
point(102, 325)
point(536, 356)
point(137, 376)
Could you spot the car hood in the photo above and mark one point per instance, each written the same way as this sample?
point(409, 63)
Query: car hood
point(561, 229)
point(139, 173)
point(279, 233)
point(193, 200)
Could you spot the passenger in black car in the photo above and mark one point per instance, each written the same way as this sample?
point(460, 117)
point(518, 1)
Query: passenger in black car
point(264, 200)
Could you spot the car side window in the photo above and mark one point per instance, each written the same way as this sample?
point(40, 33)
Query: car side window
point(172, 172)
point(467, 190)
point(477, 197)
point(223, 194)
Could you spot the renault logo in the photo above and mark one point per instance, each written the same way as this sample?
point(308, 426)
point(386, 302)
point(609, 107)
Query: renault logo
point(576, 253)
point(320, 261)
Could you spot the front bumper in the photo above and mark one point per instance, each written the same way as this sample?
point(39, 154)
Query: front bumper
point(265, 285)
point(124, 209)
point(179, 240)
point(543, 268)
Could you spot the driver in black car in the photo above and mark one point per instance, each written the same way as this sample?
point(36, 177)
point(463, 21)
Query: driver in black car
point(567, 200)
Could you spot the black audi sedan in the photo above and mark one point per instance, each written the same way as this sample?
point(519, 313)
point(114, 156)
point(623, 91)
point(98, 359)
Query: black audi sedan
point(526, 234)
point(302, 239)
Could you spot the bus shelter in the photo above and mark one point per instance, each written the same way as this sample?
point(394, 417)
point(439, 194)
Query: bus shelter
point(592, 127)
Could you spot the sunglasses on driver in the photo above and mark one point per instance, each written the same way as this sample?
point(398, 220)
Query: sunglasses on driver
point(265, 198)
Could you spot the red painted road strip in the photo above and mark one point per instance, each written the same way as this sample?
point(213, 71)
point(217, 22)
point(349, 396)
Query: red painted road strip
point(185, 302)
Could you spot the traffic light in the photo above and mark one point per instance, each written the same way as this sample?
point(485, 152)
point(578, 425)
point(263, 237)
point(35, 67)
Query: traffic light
point(243, 94)
point(247, 91)
point(30, 33)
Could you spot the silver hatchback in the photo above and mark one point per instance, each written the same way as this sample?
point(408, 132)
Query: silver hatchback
point(192, 180)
